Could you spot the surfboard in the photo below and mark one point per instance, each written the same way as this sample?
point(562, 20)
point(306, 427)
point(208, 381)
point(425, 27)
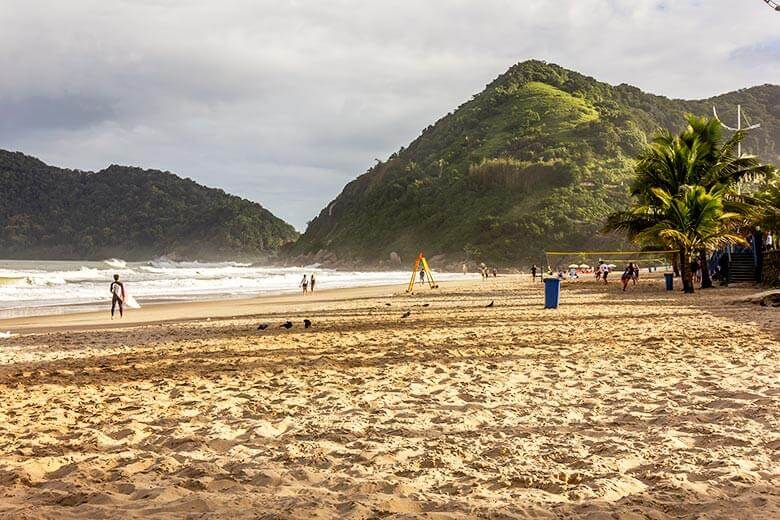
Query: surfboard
point(130, 301)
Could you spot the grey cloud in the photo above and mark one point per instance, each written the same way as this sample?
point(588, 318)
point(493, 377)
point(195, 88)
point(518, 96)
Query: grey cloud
point(67, 111)
point(285, 102)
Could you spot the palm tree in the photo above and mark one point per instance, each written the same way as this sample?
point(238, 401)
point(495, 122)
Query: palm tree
point(691, 221)
point(697, 156)
point(769, 199)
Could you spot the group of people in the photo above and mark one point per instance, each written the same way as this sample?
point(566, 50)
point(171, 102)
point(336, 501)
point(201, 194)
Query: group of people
point(307, 284)
point(485, 272)
point(601, 272)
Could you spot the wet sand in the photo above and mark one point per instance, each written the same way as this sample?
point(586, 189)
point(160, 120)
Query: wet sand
point(645, 404)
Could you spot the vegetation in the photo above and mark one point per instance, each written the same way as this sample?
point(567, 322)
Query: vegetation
point(687, 193)
point(769, 200)
point(538, 160)
point(46, 212)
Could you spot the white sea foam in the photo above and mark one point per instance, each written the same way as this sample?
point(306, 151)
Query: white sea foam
point(115, 263)
point(56, 287)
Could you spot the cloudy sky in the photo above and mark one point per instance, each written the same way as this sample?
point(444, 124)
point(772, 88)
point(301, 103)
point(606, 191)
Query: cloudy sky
point(285, 102)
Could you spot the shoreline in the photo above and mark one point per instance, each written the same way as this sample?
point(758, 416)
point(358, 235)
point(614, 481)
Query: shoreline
point(171, 312)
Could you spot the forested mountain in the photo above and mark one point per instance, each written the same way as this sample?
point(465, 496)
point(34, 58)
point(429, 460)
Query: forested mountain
point(535, 161)
point(130, 213)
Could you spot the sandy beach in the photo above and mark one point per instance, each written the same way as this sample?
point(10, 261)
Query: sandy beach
point(644, 404)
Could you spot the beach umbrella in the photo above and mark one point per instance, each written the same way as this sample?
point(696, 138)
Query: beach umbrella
point(612, 266)
point(573, 266)
point(584, 266)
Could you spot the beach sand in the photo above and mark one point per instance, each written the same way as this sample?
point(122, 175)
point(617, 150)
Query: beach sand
point(644, 404)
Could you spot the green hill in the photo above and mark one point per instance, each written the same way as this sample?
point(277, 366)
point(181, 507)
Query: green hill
point(130, 213)
point(535, 161)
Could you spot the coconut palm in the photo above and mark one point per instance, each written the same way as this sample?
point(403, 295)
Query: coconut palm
point(769, 199)
point(697, 156)
point(693, 220)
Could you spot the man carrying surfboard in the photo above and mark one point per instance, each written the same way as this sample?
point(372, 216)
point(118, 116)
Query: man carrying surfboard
point(117, 296)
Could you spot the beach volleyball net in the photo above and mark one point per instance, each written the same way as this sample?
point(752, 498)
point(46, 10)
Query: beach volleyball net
point(588, 260)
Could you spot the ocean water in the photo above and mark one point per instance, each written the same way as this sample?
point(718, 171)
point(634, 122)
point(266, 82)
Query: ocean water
point(29, 288)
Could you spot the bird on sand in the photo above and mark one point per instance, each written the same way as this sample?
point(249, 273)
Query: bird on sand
point(287, 325)
point(490, 304)
point(426, 304)
point(406, 314)
point(262, 326)
point(306, 323)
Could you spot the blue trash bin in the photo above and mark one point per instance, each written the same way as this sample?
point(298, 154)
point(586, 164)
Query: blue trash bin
point(669, 278)
point(552, 292)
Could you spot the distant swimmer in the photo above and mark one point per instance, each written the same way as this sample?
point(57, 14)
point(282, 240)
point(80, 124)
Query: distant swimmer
point(312, 282)
point(117, 296)
point(304, 284)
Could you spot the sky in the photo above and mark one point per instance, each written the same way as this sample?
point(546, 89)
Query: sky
point(284, 102)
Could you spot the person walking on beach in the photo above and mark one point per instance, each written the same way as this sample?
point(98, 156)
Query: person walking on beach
point(696, 269)
point(724, 263)
point(422, 275)
point(312, 281)
point(533, 272)
point(604, 268)
point(304, 284)
point(628, 275)
point(465, 269)
point(117, 296)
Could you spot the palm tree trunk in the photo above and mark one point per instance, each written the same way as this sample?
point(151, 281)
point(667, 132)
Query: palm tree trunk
point(675, 266)
point(706, 280)
point(685, 268)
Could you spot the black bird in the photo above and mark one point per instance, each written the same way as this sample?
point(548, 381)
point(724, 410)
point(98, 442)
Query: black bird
point(407, 314)
point(262, 326)
point(387, 304)
point(426, 304)
point(490, 304)
point(286, 325)
point(306, 323)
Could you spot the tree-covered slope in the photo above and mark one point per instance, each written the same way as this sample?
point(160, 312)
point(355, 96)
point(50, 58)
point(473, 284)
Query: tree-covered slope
point(47, 212)
point(535, 161)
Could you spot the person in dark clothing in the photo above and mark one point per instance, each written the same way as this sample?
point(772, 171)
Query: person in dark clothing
point(422, 275)
point(723, 272)
point(533, 272)
point(628, 274)
point(117, 296)
point(758, 252)
point(695, 268)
